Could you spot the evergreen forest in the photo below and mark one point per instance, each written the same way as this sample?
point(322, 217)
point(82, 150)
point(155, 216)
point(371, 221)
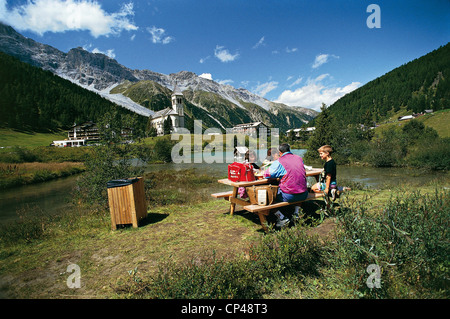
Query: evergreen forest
point(419, 85)
point(39, 101)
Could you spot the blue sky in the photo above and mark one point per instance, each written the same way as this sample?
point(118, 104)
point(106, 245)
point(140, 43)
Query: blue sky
point(301, 53)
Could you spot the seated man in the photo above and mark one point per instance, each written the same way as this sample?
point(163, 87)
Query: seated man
point(293, 185)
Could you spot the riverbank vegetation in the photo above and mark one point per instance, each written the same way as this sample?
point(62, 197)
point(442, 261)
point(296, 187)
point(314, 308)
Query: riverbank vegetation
point(30, 173)
point(189, 247)
point(408, 144)
point(420, 85)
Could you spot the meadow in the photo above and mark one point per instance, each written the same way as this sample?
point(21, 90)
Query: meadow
point(12, 175)
point(190, 247)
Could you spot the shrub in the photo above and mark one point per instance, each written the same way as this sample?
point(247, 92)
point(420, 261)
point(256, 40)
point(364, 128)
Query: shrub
point(435, 156)
point(211, 279)
point(284, 253)
point(287, 252)
point(163, 150)
point(409, 240)
point(107, 162)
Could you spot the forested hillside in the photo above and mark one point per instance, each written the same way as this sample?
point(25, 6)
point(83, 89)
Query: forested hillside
point(421, 84)
point(37, 100)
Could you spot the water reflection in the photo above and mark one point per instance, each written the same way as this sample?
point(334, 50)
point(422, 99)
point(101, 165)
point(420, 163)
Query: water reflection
point(47, 198)
point(54, 196)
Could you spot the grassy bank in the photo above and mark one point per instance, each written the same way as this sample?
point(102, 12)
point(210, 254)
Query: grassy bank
point(29, 173)
point(14, 138)
point(189, 247)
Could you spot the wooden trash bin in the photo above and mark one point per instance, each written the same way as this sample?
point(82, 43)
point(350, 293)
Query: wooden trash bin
point(127, 203)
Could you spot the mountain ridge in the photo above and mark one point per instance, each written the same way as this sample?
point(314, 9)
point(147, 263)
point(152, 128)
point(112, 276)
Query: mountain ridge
point(102, 74)
point(418, 85)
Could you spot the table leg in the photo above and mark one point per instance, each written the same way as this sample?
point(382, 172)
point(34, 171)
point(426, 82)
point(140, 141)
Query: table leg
point(233, 205)
point(262, 218)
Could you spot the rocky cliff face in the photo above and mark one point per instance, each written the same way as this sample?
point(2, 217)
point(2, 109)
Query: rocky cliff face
point(100, 73)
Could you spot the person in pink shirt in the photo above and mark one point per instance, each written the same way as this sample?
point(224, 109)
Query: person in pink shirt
point(293, 186)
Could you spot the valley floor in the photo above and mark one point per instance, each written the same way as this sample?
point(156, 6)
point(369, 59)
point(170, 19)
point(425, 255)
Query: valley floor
point(109, 260)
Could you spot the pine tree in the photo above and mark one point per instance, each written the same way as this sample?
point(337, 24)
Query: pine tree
point(323, 134)
point(167, 126)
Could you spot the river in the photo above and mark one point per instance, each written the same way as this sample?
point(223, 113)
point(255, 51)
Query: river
point(55, 196)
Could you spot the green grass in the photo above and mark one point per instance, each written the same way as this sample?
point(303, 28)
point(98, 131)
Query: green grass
point(438, 120)
point(11, 138)
point(29, 173)
point(188, 240)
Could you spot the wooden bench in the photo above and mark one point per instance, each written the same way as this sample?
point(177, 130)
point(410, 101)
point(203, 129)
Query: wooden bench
point(225, 195)
point(263, 211)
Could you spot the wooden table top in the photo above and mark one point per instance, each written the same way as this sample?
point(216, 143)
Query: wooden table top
point(226, 181)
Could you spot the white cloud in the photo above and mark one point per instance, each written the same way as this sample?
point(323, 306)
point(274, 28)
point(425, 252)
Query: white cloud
point(159, 35)
point(322, 59)
point(110, 53)
point(291, 50)
point(207, 76)
point(263, 89)
point(314, 93)
point(260, 43)
point(224, 55)
point(203, 60)
point(225, 82)
point(41, 16)
point(296, 82)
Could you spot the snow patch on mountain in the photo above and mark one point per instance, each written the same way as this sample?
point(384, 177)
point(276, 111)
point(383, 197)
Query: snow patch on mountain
point(119, 99)
point(126, 102)
point(99, 73)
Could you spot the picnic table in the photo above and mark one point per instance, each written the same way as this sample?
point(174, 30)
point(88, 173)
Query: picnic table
point(262, 211)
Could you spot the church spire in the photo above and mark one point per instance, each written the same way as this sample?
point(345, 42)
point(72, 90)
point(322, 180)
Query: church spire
point(176, 90)
point(177, 100)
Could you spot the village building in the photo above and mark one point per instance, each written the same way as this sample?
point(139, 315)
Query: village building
point(296, 131)
point(81, 134)
point(86, 131)
point(174, 114)
point(251, 129)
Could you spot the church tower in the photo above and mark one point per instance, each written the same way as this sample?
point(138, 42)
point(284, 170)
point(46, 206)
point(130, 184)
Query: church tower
point(177, 105)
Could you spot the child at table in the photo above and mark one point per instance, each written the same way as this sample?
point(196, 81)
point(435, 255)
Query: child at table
point(327, 183)
point(250, 157)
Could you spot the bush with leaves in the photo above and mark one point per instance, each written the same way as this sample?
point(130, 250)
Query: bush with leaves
point(111, 160)
point(409, 240)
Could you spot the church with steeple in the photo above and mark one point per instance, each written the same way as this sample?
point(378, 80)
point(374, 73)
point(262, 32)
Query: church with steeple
point(174, 114)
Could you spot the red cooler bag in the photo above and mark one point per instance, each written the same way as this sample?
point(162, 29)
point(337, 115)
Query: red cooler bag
point(240, 172)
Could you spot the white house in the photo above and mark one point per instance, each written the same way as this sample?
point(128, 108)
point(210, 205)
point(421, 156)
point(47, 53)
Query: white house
point(79, 135)
point(251, 129)
point(406, 117)
point(174, 113)
point(297, 131)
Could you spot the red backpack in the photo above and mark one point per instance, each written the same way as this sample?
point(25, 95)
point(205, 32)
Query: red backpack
point(240, 172)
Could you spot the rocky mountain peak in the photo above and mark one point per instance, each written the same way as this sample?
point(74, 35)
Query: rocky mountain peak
point(100, 73)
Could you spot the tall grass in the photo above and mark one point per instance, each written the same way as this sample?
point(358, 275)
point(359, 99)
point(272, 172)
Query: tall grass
point(29, 173)
point(408, 240)
point(277, 256)
point(407, 237)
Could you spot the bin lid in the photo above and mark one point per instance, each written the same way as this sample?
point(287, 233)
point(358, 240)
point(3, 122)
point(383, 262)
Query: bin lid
point(121, 182)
